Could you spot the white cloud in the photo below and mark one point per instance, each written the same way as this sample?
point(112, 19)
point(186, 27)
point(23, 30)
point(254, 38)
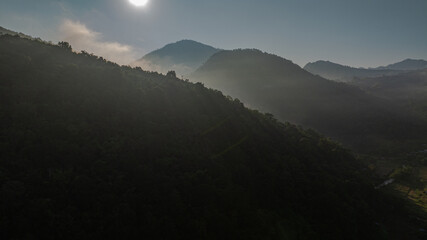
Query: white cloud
point(180, 69)
point(82, 38)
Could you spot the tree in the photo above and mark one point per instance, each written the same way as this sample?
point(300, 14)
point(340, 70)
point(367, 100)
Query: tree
point(171, 74)
point(65, 45)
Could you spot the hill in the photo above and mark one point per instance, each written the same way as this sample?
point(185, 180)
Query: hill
point(273, 84)
point(184, 57)
point(4, 31)
point(92, 150)
point(341, 73)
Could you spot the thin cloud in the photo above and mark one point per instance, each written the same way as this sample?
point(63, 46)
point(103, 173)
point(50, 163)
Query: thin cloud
point(82, 38)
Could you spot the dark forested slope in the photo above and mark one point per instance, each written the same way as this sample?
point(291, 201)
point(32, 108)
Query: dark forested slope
point(92, 150)
point(273, 84)
point(4, 31)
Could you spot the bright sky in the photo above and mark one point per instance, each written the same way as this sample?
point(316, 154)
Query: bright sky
point(361, 33)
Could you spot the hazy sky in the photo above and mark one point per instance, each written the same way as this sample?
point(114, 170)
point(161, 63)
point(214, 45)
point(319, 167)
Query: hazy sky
point(361, 33)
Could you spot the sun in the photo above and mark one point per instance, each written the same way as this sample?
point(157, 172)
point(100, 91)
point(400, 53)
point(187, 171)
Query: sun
point(139, 3)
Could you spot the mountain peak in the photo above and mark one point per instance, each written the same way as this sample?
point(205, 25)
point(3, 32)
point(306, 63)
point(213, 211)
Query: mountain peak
point(183, 56)
point(188, 41)
point(325, 63)
point(249, 56)
point(182, 45)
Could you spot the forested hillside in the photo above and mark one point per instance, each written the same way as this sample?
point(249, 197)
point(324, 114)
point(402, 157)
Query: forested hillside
point(4, 31)
point(92, 150)
point(346, 113)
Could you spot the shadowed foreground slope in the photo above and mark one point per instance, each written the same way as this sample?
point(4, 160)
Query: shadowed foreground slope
point(91, 150)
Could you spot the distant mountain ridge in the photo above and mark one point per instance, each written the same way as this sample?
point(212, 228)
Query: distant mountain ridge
point(341, 73)
point(184, 57)
point(407, 65)
point(272, 84)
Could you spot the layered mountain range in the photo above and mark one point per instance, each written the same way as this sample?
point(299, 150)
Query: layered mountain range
point(272, 84)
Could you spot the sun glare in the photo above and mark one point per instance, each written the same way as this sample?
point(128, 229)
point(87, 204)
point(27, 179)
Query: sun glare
point(139, 3)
